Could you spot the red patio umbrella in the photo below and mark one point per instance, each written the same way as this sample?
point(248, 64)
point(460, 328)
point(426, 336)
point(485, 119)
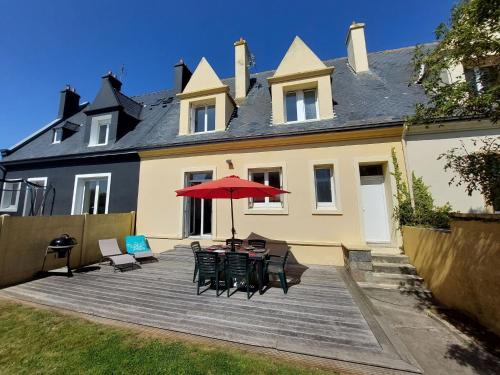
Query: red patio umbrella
point(231, 187)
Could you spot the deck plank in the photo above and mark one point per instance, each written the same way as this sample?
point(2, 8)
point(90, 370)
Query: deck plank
point(318, 315)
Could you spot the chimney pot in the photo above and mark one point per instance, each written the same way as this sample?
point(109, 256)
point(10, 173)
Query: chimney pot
point(356, 48)
point(113, 80)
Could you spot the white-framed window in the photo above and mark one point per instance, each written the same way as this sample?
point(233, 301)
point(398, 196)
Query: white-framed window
point(57, 136)
point(203, 118)
point(324, 187)
point(99, 130)
point(271, 177)
point(10, 196)
point(301, 105)
point(91, 194)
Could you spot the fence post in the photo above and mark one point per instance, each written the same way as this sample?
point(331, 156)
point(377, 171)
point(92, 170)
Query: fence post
point(83, 245)
point(132, 223)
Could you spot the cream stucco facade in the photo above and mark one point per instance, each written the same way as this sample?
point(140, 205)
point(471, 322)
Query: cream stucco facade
point(301, 69)
point(205, 88)
point(313, 236)
point(424, 144)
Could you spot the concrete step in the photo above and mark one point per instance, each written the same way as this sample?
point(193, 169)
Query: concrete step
point(386, 250)
point(394, 268)
point(389, 258)
point(414, 289)
point(394, 279)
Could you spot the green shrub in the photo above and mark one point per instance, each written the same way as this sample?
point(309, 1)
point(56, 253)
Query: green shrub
point(422, 212)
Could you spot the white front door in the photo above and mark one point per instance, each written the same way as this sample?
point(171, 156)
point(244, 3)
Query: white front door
point(376, 223)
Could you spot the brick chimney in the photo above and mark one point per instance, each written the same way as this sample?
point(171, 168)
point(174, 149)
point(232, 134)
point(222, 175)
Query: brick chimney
point(69, 102)
point(182, 74)
point(356, 48)
point(241, 74)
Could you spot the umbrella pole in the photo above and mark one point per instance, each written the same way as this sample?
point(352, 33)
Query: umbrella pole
point(232, 221)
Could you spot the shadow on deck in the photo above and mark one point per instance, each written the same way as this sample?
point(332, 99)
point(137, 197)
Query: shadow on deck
point(320, 316)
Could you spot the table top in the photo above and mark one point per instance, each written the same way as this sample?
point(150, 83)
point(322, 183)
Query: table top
point(253, 253)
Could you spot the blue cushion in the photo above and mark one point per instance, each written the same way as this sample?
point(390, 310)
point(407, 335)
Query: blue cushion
point(136, 244)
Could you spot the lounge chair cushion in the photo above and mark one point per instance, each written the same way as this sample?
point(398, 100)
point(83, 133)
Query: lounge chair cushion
point(122, 260)
point(143, 254)
point(136, 244)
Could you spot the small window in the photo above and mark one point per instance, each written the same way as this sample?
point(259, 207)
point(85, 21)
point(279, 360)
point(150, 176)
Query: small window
point(301, 105)
point(371, 170)
point(204, 119)
point(482, 78)
point(91, 195)
point(270, 177)
point(10, 196)
point(99, 131)
point(324, 187)
point(57, 137)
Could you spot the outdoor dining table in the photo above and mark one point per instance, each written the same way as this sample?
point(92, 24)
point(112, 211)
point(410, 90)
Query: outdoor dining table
point(256, 255)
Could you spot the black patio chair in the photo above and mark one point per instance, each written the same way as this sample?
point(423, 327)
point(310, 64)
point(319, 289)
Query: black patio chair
point(276, 265)
point(239, 267)
point(195, 246)
point(210, 266)
point(236, 241)
point(259, 244)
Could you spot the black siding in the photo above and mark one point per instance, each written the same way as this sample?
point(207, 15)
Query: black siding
point(124, 171)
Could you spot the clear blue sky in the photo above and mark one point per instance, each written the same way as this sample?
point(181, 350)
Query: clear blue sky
point(46, 44)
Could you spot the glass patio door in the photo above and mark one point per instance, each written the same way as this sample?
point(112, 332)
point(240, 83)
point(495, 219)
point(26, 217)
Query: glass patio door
point(198, 212)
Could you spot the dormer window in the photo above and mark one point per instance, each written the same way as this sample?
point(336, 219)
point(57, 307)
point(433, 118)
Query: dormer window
point(203, 118)
point(301, 105)
point(57, 136)
point(99, 131)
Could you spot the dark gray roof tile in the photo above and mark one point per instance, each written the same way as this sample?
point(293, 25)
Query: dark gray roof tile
point(379, 96)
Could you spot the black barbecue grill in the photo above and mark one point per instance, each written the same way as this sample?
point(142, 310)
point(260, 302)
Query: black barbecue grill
point(61, 247)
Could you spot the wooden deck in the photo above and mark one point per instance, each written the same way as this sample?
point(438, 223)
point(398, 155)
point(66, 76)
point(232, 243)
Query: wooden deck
point(319, 316)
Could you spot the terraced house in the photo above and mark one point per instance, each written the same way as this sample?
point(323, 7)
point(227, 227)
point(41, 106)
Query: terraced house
point(323, 130)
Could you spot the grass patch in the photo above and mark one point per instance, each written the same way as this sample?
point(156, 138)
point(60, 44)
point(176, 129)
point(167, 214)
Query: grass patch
point(37, 341)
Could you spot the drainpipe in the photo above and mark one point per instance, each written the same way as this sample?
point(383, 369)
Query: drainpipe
point(409, 179)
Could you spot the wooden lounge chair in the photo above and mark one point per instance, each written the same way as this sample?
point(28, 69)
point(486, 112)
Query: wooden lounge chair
point(138, 247)
point(111, 251)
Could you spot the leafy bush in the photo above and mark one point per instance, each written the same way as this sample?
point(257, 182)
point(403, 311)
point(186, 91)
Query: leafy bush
point(422, 212)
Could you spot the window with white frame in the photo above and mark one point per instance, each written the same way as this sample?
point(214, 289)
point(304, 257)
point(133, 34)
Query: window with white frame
point(271, 177)
point(57, 136)
point(301, 105)
point(91, 194)
point(10, 196)
point(203, 118)
point(324, 187)
point(99, 131)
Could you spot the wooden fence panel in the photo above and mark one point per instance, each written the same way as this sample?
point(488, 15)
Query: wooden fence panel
point(23, 241)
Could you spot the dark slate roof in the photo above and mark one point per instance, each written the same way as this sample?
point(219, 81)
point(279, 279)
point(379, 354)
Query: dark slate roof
point(68, 125)
point(379, 97)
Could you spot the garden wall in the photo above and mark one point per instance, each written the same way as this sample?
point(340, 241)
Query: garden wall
point(461, 266)
point(23, 241)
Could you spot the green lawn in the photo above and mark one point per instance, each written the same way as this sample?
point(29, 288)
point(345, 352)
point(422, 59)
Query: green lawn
point(36, 341)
